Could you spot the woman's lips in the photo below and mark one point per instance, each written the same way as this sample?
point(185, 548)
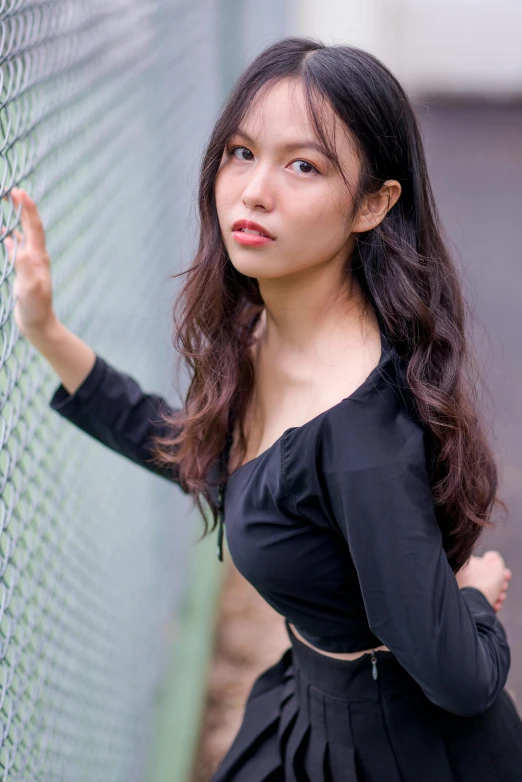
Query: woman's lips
point(251, 240)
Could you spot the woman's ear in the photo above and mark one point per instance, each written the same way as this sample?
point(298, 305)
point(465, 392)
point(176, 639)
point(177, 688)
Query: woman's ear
point(376, 206)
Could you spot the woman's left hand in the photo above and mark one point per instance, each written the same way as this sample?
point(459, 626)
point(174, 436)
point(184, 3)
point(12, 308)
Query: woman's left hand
point(462, 580)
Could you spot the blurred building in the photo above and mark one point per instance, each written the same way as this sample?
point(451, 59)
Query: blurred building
point(452, 47)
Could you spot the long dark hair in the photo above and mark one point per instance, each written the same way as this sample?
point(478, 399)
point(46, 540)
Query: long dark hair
point(403, 266)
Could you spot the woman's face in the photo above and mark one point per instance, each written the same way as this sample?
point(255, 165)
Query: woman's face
point(275, 173)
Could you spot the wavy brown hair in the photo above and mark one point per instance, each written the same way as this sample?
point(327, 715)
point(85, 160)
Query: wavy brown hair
point(403, 267)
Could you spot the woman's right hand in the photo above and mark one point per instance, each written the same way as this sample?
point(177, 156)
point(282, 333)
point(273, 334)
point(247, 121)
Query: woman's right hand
point(33, 312)
point(489, 574)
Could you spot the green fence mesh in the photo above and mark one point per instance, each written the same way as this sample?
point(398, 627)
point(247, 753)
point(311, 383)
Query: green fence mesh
point(104, 108)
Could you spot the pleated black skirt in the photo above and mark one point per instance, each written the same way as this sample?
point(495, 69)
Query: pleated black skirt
point(313, 718)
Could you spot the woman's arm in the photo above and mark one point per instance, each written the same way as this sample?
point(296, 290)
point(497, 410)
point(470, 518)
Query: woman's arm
point(105, 403)
point(448, 639)
point(70, 357)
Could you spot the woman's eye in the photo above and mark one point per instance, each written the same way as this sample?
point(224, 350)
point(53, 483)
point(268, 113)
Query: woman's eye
point(241, 150)
point(304, 167)
point(245, 154)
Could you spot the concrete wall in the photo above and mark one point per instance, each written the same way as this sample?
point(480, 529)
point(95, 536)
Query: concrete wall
point(433, 46)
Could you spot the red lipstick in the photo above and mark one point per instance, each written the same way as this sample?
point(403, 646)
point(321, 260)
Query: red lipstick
point(247, 232)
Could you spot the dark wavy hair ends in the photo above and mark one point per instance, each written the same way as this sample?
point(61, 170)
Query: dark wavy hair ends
point(403, 266)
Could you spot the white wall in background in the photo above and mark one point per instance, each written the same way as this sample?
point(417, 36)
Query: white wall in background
point(451, 46)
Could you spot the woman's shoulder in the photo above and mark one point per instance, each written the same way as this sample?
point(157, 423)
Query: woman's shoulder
point(378, 423)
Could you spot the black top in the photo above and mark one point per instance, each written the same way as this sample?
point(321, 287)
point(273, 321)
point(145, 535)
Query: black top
point(335, 526)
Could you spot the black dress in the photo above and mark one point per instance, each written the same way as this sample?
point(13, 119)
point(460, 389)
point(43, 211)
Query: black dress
point(335, 526)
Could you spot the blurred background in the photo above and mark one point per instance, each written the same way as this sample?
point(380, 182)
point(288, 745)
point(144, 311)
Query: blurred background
point(127, 650)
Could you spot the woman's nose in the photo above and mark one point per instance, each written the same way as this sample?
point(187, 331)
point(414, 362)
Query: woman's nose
point(259, 190)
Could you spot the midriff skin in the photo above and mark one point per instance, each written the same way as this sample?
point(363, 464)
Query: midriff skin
point(338, 655)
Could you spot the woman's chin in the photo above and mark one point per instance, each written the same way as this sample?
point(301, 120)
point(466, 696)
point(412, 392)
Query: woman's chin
point(254, 267)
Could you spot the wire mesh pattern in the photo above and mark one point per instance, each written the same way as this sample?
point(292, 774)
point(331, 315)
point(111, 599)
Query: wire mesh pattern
point(104, 106)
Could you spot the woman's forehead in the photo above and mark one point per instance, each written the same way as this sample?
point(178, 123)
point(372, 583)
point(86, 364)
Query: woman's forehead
point(285, 97)
point(284, 108)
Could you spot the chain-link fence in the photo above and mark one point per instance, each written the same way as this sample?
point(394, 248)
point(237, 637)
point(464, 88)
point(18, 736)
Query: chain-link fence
point(105, 105)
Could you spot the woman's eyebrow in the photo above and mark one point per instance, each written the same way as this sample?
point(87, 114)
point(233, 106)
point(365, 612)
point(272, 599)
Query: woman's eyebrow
point(289, 146)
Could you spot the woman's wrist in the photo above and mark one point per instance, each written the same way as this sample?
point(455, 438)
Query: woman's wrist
point(47, 336)
point(69, 356)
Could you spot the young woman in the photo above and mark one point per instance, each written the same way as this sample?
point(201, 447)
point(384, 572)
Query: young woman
point(324, 327)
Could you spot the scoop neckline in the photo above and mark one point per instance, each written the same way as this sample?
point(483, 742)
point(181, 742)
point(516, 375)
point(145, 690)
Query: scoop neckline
point(386, 350)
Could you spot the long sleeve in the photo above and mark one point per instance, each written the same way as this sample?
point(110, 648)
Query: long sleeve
point(111, 407)
point(448, 639)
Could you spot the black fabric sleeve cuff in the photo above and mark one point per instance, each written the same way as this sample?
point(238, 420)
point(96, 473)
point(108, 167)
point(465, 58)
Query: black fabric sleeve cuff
point(67, 404)
point(479, 605)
